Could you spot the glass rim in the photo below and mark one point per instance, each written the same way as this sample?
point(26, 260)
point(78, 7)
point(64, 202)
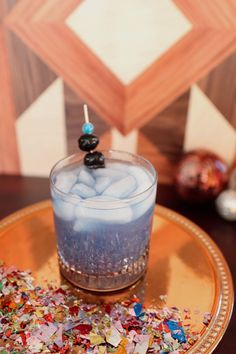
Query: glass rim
point(104, 202)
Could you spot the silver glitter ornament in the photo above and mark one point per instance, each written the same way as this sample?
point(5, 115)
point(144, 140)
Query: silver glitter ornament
point(226, 204)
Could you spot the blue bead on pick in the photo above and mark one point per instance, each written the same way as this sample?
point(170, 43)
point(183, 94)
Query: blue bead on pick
point(138, 309)
point(88, 128)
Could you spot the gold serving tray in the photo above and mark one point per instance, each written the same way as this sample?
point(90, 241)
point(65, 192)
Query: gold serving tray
point(185, 264)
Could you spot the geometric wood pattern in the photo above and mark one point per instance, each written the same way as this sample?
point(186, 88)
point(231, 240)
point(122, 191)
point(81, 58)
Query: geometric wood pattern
point(47, 72)
point(43, 29)
point(128, 44)
point(212, 38)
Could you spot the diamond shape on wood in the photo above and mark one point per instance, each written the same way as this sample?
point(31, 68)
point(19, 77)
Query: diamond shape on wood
point(127, 107)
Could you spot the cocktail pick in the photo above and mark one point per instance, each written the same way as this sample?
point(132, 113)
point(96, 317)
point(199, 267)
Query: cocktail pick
point(88, 142)
point(87, 127)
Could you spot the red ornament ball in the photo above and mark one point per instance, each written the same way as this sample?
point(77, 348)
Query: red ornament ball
point(200, 176)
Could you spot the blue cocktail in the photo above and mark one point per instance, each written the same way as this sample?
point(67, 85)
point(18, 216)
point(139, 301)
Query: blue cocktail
point(103, 219)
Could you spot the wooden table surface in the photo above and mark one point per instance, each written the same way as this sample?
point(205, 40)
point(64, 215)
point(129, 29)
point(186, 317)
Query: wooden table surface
point(18, 192)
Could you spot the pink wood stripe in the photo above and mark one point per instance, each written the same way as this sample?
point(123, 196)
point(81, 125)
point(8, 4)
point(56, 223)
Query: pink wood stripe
point(9, 160)
point(215, 14)
point(46, 11)
point(56, 10)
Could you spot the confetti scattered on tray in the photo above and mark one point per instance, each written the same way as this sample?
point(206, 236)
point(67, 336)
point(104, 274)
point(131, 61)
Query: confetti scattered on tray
point(37, 320)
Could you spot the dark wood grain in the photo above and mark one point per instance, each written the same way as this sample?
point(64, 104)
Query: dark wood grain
point(9, 4)
point(167, 129)
point(161, 140)
point(220, 86)
point(17, 192)
point(30, 76)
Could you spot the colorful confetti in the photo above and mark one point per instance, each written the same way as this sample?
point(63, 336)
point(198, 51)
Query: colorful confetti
point(207, 318)
point(37, 320)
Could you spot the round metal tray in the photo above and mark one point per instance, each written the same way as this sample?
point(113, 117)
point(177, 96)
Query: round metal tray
point(184, 264)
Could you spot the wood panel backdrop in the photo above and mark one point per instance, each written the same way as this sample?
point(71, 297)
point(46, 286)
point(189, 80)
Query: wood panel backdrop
point(159, 78)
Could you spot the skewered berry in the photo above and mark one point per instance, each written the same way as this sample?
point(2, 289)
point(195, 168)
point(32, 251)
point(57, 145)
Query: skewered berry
point(88, 128)
point(94, 160)
point(88, 142)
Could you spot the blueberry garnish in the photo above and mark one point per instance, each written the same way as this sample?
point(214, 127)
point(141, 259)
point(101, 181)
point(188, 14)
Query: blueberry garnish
point(94, 160)
point(88, 142)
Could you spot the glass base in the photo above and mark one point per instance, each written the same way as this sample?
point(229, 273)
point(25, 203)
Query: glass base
point(102, 283)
